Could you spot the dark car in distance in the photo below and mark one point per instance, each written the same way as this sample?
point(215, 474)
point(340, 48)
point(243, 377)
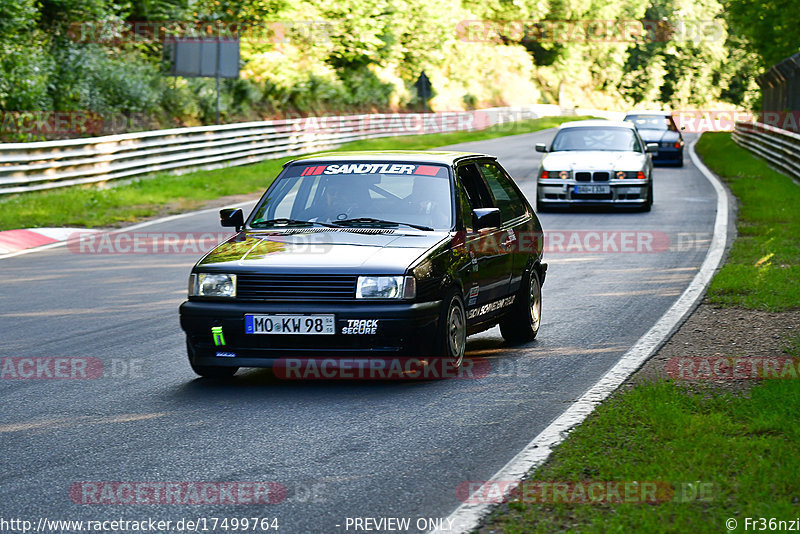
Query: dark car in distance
point(362, 254)
point(659, 127)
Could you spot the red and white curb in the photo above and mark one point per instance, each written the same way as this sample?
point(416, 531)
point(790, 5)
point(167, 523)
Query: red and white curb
point(12, 241)
point(18, 242)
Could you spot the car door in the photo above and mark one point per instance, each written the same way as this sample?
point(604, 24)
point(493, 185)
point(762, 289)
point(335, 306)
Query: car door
point(514, 237)
point(491, 264)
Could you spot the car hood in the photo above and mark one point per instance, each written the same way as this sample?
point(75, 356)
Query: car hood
point(588, 160)
point(357, 251)
point(657, 136)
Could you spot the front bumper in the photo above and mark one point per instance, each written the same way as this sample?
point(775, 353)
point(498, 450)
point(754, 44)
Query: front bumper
point(629, 193)
point(402, 329)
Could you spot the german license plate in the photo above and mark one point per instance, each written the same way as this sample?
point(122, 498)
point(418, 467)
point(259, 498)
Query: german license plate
point(289, 324)
point(592, 189)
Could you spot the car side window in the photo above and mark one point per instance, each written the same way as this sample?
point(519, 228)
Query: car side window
point(505, 196)
point(474, 186)
point(638, 145)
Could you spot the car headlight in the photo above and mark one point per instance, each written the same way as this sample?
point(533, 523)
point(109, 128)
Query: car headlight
point(386, 287)
point(547, 175)
point(212, 285)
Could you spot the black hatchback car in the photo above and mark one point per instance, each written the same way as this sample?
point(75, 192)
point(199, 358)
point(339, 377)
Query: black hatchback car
point(361, 254)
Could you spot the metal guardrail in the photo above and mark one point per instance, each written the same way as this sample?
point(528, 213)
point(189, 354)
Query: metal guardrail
point(46, 165)
point(780, 147)
point(780, 87)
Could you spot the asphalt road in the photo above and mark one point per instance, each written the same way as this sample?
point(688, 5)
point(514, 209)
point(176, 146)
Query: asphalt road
point(341, 449)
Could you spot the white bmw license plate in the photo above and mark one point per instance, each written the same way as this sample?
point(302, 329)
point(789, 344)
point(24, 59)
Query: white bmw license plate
point(289, 324)
point(592, 189)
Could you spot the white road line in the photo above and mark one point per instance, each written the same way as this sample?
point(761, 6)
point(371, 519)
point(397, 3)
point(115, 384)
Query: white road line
point(127, 228)
point(468, 515)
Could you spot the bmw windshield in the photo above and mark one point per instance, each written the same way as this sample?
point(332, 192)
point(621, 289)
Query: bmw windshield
point(592, 138)
point(358, 194)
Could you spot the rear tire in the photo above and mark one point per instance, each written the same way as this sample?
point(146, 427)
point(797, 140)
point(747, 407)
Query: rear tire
point(451, 339)
point(209, 371)
point(522, 322)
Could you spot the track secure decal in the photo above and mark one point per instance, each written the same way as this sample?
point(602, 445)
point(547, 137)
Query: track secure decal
point(361, 326)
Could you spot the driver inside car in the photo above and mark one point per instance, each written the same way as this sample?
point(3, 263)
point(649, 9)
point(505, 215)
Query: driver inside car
point(345, 197)
point(425, 199)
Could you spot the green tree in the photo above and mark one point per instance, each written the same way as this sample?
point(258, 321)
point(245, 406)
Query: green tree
point(769, 26)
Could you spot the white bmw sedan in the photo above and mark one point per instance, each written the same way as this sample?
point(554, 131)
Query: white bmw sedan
point(596, 162)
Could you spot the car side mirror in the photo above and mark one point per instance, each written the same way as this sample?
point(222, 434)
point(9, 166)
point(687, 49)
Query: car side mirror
point(540, 147)
point(232, 217)
point(652, 147)
point(486, 218)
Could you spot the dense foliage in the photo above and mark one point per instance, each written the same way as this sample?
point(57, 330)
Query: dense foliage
point(325, 56)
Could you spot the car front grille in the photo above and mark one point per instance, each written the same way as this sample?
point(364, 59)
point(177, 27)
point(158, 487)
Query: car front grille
point(295, 287)
point(599, 176)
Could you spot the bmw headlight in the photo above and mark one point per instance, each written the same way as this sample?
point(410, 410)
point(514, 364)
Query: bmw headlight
point(386, 287)
point(212, 285)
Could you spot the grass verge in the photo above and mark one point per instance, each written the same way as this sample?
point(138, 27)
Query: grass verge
point(763, 269)
point(164, 194)
point(726, 454)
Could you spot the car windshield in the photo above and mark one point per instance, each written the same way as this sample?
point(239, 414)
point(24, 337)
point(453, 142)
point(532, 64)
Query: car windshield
point(652, 122)
point(596, 138)
point(358, 194)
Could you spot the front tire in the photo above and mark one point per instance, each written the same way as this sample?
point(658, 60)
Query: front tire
point(522, 322)
point(451, 340)
point(647, 206)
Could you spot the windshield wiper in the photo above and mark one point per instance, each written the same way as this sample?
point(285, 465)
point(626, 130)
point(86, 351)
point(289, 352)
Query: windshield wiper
point(282, 221)
point(372, 221)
